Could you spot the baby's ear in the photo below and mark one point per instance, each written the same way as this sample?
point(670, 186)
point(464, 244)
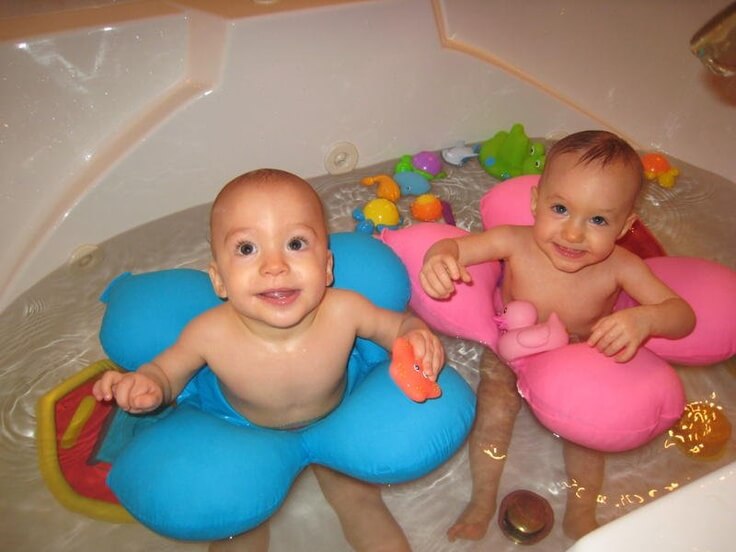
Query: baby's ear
point(329, 272)
point(217, 284)
point(534, 197)
point(630, 220)
point(330, 276)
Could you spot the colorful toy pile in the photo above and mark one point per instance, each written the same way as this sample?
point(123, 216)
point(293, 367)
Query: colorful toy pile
point(412, 177)
point(505, 155)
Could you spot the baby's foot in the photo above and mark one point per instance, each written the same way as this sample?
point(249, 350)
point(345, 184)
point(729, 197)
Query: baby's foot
point(472, 523)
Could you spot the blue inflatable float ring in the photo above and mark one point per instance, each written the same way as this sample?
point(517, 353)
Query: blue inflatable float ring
point(203, 474)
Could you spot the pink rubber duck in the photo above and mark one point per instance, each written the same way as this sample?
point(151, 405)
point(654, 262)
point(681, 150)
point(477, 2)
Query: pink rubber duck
point(522, 336)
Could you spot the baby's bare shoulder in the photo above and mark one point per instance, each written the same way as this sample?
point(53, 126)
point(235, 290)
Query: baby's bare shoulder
point(349, 311)
point(499, 242)
point(215, 314)
point(622, 261)
point(210, 323)
point(341, 302)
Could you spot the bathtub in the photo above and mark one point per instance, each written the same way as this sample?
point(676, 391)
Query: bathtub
point(116, 114)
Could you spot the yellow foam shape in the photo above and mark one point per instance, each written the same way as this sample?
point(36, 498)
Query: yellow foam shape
point(83, 413)
point(48, 459)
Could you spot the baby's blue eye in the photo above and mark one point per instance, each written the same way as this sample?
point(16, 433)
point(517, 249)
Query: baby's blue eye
point(297, 244)
point(559, 209)
point(599, 221)
point(246, 248)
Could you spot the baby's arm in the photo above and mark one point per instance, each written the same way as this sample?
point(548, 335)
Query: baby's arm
point(154, 383)
point(445, 261)
point(442, 268)
point(661, 312)
point(383, 326)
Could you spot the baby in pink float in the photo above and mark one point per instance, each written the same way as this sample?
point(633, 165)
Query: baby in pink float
point(567, 263)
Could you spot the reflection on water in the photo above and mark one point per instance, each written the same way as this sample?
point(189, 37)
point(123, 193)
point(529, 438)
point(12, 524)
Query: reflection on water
point(50, 333)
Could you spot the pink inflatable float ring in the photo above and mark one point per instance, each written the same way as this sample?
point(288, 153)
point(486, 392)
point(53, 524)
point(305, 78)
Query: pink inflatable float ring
point(575, 391)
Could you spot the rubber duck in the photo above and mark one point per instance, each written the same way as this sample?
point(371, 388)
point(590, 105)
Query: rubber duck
point(522, 336)
point(408, 373)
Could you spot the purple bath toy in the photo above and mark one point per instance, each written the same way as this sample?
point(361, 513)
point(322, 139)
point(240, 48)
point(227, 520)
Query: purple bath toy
point(427, 161)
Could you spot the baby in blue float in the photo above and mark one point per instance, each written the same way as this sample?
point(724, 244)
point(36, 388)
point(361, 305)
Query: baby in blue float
point(268, 376)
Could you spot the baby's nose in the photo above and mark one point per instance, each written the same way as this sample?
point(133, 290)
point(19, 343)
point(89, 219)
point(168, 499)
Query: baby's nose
point(573, 231)
point(274, 263)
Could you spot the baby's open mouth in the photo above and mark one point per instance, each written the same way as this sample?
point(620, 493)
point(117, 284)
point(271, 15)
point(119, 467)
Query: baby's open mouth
point(279, 296)
point(568, 252)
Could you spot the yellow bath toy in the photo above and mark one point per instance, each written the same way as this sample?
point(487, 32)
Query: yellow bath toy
point(382, 211)
point(656, 166)
point(376, 215)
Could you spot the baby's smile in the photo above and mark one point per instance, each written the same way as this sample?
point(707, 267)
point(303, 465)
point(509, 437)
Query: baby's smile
point(279, 296)
point(569, 252)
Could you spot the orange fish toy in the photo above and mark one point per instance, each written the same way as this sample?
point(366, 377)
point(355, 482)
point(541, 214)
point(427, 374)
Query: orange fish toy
point(408, 373)
point(386, 187)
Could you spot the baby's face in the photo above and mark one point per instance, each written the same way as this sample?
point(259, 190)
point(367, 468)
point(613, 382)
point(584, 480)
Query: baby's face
point(271, 260)
point(581, 210)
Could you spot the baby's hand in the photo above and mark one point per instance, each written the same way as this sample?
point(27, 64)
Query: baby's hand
point(439, 274)
point(620, 334)
point(134, 392)
point(428, 349)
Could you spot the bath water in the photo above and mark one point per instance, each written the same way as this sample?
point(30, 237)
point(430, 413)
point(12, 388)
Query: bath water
point(50, 333)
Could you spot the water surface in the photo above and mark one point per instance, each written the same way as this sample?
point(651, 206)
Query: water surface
point(50, 333)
